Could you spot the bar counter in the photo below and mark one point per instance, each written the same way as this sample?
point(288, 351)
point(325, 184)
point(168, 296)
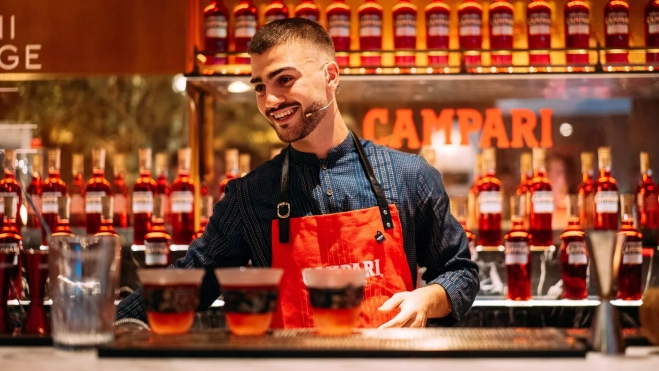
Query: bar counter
point(42, 358)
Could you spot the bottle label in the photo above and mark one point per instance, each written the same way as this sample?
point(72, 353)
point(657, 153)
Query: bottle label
point(438, 25)
point(517, 253)
point(405, 25)
point(339, 25)
point(370, 25)
point(119, 204)
point(77, 204)
point(502, 24)
point(539, 23)
point(49, 202)
point(182, 202)
point(93, 204)
point(470, 25)
point(274, 17)
point(543, 202)
point(36, 199)
point(606, 202)
point(653, 23)
point(142, 202)
point(311, 17)
point(577, 24)
point(490, 202)
point(156, 253)
point(245, 26)
point(8, 194)
point(617, 23)
point(11, 248)
point(632, 253)
point(216, 26)
point(576, 253)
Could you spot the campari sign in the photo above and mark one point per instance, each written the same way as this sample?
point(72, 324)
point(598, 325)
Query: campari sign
point(394, 127)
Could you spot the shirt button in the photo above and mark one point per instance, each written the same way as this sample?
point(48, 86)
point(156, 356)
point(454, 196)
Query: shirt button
point(329, 192)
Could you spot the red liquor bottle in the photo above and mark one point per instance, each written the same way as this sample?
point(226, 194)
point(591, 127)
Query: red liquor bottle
point(143, 190)
point(9, 187)
point(577, 31)
point(587, 191)
point(206, 212)
point(630, 276)
point(275, 10)
point(472, 198)
point(524, 187)
point(647, 196)
point(107, 224)
point(182, 201)
point(34, 190)
point(573, 255)
point(470, 22)
point(616, 31)
point(438, 30)
point(162, 185)
point(244, 164)
point(370, 33)
point(518, 254)
point(77, 191)
point(542, 202)
point(338, 26)
point(489, 202)
point(308, 10)
point(404, 20)
point(606, 194)
point(11, 241)
point(120, 192)
point(216, 35)
point(538, 20)
point(97, 188)
point(157, 242)
point(652, 31)
point(52, 189)
point(501, 32)
point(63, 228)
point(232, 169)
point(246, 19)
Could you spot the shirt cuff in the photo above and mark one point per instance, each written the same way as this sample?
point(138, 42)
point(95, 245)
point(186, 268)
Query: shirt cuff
point(459, 301)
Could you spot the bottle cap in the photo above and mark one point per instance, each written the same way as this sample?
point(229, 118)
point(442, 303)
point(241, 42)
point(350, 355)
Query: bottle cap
point(231, 157)
point(10, 159)
point(488, 160)
point(98, 159)
point(539, 158)
point(478, 164)
point(54, 155)
point(162, 163)
point(78, 164)
point(572, 206)
point(107, 207)
point(37, 163)
point(144, 155)
point(184, 157)
point(587, 160)
point(119, 164)
point(604, 157)
point(63, 207)
point(645, 162)
point(158, 207)
point(525, 163)
point(627, 207)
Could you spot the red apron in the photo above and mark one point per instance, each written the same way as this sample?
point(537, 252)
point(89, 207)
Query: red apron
point(369, 239)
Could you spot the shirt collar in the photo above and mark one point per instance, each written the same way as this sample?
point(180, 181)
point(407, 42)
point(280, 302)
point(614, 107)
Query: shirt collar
point(334, 154)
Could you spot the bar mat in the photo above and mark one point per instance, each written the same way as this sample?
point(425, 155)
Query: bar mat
point(25, 341)
point(390, 343)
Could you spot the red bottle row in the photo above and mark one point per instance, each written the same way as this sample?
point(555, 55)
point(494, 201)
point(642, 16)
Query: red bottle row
point(470, 30)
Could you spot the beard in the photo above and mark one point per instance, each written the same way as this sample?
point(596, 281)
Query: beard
point(299, 130)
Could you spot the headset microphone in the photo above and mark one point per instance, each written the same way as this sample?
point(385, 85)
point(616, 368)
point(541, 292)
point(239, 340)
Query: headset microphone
point(318, 110)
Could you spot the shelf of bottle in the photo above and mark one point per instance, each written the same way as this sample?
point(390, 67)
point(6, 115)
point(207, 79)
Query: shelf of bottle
point(456, 64)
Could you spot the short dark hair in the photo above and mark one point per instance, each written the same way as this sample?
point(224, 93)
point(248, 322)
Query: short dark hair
point(282, 31)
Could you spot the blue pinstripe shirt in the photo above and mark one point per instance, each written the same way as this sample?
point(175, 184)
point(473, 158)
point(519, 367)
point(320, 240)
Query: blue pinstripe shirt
point(240, 228)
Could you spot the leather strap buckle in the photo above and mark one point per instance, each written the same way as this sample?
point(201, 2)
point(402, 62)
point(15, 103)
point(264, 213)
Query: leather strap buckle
point(285, 214)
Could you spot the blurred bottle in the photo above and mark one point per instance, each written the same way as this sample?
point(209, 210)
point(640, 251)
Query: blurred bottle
point(120, 192)
point(438, 15)
point(606, 194)
point(308, 10)
point(652, 31)
point(404, 16)
point(162, 185)
point(157, 242)
point(518, 253)
point(275, 10)
point(9, 187)
point(587, 191)
point(246, 19)
point(538, 20)
point(182, 200)
point(11, 241)
point(107, 222)
point(577, 31)
point(616, 31)
point(216, 35)
point(470, 19)
point(143, 190)
point(77, 191)
point(489, 202)
point(370, 33)
point(63, 228)
point(338, 26)
point(53, 188)
point(501, 32)
point(97, 188)
point(647, 196)
point(34, 190)
point(630, 275)
point(542, 202)
point(573, 255)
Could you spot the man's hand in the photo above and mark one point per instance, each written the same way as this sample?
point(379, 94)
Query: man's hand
point(417, 306)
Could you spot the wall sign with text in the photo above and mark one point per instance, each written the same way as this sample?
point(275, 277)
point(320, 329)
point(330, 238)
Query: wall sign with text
point(523, 124)
point(13, 55)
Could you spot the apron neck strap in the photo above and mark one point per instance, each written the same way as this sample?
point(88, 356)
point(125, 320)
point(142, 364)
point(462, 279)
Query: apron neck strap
point(284, 206)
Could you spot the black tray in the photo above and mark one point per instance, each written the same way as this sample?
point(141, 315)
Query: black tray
point(392, 343)
point(25, 341)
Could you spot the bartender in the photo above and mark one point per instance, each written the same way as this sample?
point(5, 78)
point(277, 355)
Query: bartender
point(332, 200)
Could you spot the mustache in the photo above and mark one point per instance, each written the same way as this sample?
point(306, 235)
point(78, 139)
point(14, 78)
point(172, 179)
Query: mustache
point(281, 106)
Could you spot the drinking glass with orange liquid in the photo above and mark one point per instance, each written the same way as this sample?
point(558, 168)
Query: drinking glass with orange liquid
point(250, 298)
point(336, 297)
point(171, 297)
